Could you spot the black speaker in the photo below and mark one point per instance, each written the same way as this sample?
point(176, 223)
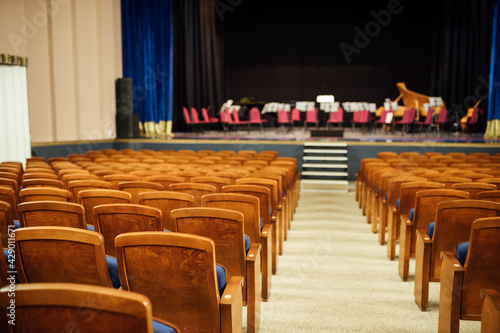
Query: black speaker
point(331, 133)
point(124, 125)
point(124, 108)
point(124, 96)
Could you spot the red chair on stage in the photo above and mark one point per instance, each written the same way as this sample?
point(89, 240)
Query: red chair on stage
point(362, 117)
point(441, 118)
point(187, 118)
point(428, 120)
point(408, 119)
point(295, 116)
point(336, 117)
point(206, 117)
point(283, 118)
point(311, 118)
point(256, 119)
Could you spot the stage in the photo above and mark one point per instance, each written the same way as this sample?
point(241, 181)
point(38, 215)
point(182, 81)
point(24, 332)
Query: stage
point(357, 143)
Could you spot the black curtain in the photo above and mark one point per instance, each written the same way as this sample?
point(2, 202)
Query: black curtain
point(197, 59)
point(461, 54)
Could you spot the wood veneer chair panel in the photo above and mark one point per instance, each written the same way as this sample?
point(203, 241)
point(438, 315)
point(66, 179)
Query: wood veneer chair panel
point(44, 307)
point(188, 280)
point(95, 197)
point(112, 220)
point(51, 213)
point(452, 226)
point(461, 285)
point(166, 201)
point(61, 254)
point(136, 187)
point(44, 194)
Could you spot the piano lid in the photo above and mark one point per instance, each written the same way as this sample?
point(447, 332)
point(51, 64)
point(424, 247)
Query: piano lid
point(410, 98)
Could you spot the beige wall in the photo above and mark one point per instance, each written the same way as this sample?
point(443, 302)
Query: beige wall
point(74, 55)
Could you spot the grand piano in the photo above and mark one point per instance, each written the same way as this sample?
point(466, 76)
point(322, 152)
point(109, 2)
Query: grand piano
point(410, 99)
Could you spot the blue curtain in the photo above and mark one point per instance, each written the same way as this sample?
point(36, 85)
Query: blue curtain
point(147, 38)
point(493, 129)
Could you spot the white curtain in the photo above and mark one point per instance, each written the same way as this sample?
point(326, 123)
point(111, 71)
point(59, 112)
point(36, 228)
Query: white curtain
point(15, 140)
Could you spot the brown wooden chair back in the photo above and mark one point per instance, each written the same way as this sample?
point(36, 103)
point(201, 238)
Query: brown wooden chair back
point(187, 279)
point(6, 222)
point(51, 213)
point(197, 190)
point(449, 180)
point(261, 192)
point(95, 197)
point(137, 187)
point(166, 201)
point(489, 195)
point(112, 220)
point(51, 307)
point(76, 186)
point(494, 180)
point(225, 227)
point(29, 175)
point(453, 222)
point(473, 188)
point(115, 179)
point(247, 205)
point(165, 180)
point(232, 176)
point(44, 194)
point(461, 286)
point(42, 182)
point(8, 194)
point(218, 182)
point(61, 254)
point(187, 175)
point(77, 176)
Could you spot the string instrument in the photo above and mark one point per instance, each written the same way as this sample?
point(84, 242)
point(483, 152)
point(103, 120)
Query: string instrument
point(465, 119)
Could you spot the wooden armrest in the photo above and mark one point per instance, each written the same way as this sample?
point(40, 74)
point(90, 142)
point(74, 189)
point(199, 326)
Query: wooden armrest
point(423, 236)
point(253, 252)
point(452, 261)
point(254, 288)
point(493, 295)
point(266, 231)
point(231, 306)
point(406, 220)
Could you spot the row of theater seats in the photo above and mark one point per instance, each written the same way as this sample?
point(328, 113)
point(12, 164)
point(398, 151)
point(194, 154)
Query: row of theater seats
point(444, 210)
point(197, 233)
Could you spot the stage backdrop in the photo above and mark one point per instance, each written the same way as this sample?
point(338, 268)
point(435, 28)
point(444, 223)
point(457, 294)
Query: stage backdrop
point(147, 33)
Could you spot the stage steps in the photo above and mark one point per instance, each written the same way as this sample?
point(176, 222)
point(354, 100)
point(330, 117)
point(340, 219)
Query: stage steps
point(324, 167)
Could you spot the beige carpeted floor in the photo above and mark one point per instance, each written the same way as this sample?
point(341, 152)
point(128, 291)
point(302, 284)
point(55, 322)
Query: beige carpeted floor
point(333, 276)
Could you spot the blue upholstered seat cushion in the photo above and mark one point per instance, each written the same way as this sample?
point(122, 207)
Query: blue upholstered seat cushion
point(386, 195)
point(247, 244)
point(397, 204)
point(411, 214)
point(10, 265)
point(113, 271)
point(221, 278)
point(430, 229)
point(17, 224)
point(461, 252)
point(378, 190)
point(162, 328)
point(261, 224)
point(90, 227)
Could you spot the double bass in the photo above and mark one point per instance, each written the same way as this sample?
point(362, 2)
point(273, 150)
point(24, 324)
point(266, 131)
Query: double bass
point(470, 118)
